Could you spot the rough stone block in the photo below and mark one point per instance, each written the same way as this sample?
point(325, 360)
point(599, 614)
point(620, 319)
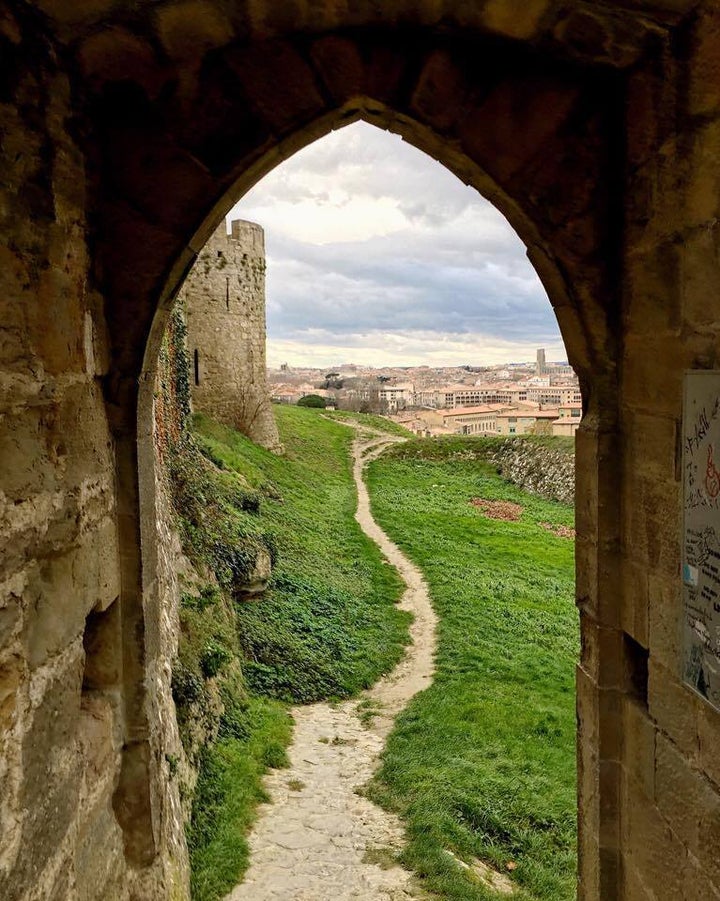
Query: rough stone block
point(64, 589)
point(112, 54)
point(697, 886)
point(703, 67)
point(45, 825)
point(157, 176)
point(340, 65)
point(12, 671)
point(9, 27)
point(586, 577)
point(652, 290)
point(11, 614)
point(651, 848)
point(700, 273)
point(99, 861)
point(664, 612)
point(644, 113)
point(634, 617)
point(285, 102)
point(385, 71)
point(649, 444)
point(610, 801)
point(709, 841)
point(57, 613)
point(191, 28)
point(588, 787)
point(512, 21)
point(513, 124)
point(639, 746)
point(683, 794)
point(674, 708)
point(652, 523)
point(51, 727)
point(440, 93)
point(81, 11)
point(709, 741)
point(635, 887)
point(97, 742)
point(702, 177)
point(96, 568)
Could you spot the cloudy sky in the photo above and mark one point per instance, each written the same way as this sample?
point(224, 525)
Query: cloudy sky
point(379, 255)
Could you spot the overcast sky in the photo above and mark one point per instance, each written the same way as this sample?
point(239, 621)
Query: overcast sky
point(377, 254)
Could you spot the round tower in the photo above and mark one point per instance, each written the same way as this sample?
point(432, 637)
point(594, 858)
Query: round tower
point(224, 298)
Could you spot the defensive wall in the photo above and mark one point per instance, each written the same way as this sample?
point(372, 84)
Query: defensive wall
point(223, 298)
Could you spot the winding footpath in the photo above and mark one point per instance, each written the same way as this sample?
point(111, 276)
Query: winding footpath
point(319, 839)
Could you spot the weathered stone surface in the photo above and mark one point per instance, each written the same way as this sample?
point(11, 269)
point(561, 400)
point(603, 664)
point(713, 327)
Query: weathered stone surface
point(593, 127)
point(224, 302)
point(259, 578)
point(440, 93)
point(340, 65)
point(191, 28)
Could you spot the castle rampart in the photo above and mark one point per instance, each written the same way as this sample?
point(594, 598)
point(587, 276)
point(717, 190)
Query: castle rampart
point(224, 300)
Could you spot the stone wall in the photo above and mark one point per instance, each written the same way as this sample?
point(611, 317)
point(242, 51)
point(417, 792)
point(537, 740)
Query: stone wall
point(71, 827)
point(594, 127)
point(224, 301)
point(536, 467)
point(62, 712)
point(663, 770)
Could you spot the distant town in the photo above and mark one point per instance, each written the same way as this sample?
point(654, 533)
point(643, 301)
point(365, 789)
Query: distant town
point(541, 398)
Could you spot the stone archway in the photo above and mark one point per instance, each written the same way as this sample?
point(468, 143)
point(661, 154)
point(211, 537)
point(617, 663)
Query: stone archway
point(589, 348)
point(595, 128)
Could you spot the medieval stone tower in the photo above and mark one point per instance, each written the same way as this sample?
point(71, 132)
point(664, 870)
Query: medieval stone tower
point(224, 298)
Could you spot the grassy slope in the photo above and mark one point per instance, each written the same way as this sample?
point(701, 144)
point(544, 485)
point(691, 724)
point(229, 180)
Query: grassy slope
point(327, 627)
point(382, 423)
point(483, 762)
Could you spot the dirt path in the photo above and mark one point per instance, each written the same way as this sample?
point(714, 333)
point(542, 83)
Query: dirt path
point(319, 839)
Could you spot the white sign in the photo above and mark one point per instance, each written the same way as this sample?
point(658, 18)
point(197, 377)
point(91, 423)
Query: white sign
point(701, 534)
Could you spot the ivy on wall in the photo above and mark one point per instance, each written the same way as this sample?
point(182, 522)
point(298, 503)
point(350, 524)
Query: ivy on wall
point(216, 517)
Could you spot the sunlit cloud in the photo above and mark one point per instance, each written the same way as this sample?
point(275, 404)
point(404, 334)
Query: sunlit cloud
point(383, 252)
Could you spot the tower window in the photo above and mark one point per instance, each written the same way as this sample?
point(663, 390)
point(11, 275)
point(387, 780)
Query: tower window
point(196, 359)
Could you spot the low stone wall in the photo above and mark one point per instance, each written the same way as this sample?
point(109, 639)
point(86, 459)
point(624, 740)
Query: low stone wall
point(536, 467)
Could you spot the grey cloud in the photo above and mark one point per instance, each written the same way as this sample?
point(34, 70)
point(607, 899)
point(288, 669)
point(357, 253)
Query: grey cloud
point(458, 268)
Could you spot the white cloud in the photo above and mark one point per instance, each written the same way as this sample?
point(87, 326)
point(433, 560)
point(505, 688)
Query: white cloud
point(321, 348)
point(380, 250)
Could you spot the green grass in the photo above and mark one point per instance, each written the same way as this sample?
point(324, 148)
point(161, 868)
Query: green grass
point(327, 627)
point(483, 762)
point(229, 789)
point(374, 421)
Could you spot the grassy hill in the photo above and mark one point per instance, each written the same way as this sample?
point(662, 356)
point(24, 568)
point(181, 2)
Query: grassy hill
point(327, 626)
point(483, 763)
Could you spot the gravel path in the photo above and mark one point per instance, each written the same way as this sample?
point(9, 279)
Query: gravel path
point(319, 839)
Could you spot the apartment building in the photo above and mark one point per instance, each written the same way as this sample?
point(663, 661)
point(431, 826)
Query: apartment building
point(523, 421)
point(397, 397)
point(568, 420)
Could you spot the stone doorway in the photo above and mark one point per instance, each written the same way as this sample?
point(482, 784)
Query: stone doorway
point(592, 127)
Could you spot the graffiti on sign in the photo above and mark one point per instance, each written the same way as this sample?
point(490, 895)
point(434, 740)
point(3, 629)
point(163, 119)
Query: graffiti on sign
point(701, 534)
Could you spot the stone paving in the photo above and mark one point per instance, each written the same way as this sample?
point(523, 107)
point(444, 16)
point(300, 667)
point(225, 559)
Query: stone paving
point(319, 839)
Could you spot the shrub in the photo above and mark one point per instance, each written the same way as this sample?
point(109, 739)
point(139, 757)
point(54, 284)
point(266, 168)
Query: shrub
point(312, 400)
